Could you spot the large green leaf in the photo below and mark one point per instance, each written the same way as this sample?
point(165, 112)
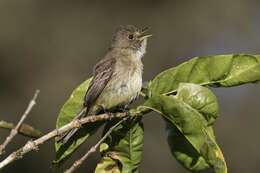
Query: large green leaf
point(199, 98)
point(183, 150)
point(69, 110)
point(190, 137)
point(123, 146)
point(205, 102)
point(216, 71)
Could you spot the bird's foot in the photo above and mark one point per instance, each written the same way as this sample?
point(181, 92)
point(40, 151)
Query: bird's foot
point(106, 111)
point(109, 115)
point(128, 115)
point(125, 109)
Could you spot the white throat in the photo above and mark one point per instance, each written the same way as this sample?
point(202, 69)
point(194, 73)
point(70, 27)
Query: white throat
point(140, 53)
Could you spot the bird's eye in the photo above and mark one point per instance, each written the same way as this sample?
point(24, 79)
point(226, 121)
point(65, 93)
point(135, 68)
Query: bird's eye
point(131, 36)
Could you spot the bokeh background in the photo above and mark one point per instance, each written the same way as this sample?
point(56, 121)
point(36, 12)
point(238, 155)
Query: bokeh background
point(53, 45)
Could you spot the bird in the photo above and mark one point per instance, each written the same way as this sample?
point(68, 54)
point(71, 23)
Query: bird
point(117, 77)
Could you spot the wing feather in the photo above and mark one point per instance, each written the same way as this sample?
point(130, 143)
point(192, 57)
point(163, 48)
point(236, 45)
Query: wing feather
point(102, 74)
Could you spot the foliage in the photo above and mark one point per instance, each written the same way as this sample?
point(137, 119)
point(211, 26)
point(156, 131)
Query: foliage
point(187, 113)
point(66, 115)
point(124, 146)
point(188, 108)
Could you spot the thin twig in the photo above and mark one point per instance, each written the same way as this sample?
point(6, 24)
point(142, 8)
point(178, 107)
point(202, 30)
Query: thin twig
point(33, 145)
point(16, 129)
point(77, 163)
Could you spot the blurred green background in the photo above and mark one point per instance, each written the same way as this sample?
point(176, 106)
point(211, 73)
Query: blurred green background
point(53, 46)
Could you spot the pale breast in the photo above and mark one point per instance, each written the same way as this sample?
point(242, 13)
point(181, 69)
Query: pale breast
point(132, 87)
point(123, 88)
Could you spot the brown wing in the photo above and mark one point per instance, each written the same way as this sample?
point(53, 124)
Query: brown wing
point(102, 74)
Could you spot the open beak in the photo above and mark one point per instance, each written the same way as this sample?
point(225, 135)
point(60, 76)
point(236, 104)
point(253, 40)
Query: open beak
point(144, 37)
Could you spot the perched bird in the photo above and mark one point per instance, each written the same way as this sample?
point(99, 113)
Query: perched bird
point(117, 78)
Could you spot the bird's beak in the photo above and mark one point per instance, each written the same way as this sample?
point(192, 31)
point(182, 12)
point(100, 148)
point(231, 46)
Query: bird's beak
point(144, 37)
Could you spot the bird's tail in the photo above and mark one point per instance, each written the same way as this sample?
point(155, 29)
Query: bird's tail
point(63, 138)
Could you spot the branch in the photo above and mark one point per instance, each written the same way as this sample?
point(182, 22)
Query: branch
point(25, 129)
point(33, 145)
point(16, 129)
point(93, 148)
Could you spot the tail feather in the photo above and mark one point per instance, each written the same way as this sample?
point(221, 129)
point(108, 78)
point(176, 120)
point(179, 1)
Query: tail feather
point(63, 138)
point(66, 136)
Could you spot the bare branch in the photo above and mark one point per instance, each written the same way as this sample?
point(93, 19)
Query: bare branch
point(16, 129)
point(33, 145)
point(25, 129)
point(93, 148)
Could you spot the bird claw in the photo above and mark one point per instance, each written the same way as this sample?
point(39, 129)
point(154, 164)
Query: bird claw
point(128, 115)
point(125, 110)
point(109, 116)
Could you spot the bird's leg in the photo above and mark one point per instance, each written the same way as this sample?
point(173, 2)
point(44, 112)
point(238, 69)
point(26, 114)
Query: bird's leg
point(126, 110)
point(106, 111)
point(109, 115)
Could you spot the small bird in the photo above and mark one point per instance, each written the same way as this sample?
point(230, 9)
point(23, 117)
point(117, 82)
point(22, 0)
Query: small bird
point(117, 78)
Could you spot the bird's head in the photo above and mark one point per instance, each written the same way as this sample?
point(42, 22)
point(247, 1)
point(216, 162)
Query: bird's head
point(130, 37)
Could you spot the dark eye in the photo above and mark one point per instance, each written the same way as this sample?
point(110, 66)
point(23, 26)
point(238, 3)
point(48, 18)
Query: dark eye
point(131, 36)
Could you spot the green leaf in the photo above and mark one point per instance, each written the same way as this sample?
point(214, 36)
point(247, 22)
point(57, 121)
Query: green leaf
point(107, 165)
point(194, 127)
point(201, 99)
point(72, 105)
point(216, 71)
point(205, 102)
point(68, 112)
point(123, 146)
point(183, 150)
